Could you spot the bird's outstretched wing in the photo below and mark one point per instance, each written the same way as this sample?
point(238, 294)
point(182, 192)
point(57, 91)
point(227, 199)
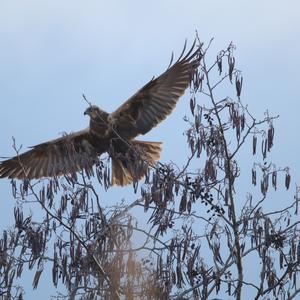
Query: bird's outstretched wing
point(156, 100)
point(64, 155)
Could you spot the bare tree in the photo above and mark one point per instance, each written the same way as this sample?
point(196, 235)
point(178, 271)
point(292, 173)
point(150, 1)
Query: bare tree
point(206, 224)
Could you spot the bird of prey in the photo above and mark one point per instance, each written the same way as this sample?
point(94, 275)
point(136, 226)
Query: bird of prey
point(114, 132)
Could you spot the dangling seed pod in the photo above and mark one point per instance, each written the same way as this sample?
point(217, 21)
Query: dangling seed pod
point(254, 144)
point(287, 180)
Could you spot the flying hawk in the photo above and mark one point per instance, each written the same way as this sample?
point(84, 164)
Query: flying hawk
point(114, 133)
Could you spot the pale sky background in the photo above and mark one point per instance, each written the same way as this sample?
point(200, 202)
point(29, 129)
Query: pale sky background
point(53, 51)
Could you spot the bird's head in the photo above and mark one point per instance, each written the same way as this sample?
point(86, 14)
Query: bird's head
point(93, 111)
point(96, 113)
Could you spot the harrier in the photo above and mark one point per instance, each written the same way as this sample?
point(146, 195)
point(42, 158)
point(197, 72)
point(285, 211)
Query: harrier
point(114, 132)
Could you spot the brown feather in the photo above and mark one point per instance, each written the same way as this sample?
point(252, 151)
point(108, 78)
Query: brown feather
point(156, 100)
point(53, 158)
point(127, 169)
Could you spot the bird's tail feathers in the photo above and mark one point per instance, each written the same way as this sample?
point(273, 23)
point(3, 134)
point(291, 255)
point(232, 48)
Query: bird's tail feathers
point(133, 165)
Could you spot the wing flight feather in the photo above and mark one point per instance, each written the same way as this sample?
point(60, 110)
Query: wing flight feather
point(64, 155)
point(156, 100)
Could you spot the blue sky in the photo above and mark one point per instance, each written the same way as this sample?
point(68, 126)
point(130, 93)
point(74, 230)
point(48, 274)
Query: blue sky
point(53, 51)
